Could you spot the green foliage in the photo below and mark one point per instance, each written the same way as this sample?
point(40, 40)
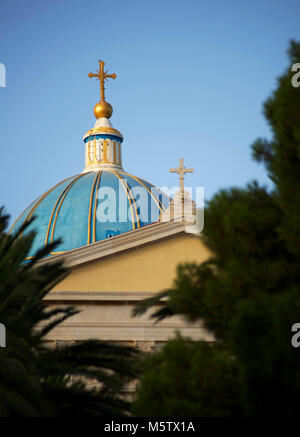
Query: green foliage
point(188, 375)
point(247, 294)
point(36, 380)
point(269, 371)
point(282, 154)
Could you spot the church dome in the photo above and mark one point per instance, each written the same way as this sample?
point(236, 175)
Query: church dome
point(101, 202)
point(92, 206)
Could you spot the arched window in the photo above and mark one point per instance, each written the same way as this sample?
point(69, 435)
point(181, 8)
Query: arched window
point(117, 153)
point(113, 152)
point(91, 152)
point(98, 151)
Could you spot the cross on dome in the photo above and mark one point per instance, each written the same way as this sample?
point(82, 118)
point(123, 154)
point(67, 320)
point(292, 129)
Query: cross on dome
point(102, 76)
point(102, 109)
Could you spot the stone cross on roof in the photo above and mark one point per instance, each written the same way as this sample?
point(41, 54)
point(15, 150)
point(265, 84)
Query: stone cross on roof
point(181, 170)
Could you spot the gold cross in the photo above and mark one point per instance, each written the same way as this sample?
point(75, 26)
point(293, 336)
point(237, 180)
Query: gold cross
point(102, 76)
point(181, 170)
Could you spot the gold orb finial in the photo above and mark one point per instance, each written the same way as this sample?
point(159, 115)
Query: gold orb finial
point(102, 108)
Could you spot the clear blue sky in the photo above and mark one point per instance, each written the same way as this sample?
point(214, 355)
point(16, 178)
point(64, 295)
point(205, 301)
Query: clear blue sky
point(192, 77)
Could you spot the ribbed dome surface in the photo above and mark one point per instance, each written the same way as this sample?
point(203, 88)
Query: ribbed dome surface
point(91, 207)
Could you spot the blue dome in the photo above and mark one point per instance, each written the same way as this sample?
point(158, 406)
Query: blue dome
point(90, 207)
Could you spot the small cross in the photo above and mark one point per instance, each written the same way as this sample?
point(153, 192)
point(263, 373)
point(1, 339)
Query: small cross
point(102, 76)
point(181, 170)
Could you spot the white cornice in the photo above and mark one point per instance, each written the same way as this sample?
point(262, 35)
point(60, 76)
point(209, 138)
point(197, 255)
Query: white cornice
point(120, 243)
point(93, 296)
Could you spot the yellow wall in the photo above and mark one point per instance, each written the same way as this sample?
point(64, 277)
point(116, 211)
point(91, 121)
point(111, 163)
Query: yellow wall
point(149, 268)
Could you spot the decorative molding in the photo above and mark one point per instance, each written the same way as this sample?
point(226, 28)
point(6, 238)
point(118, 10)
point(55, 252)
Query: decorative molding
point(118, 244)
point(103, 296)
point(144, 346)
point(129, 331)
point(103, 130)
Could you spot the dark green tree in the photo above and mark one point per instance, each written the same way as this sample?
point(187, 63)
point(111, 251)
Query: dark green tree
point(248, 292)
point(35, 379)
point(173, 383)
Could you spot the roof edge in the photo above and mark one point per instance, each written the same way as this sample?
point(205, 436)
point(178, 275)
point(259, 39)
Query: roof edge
point(118, 244)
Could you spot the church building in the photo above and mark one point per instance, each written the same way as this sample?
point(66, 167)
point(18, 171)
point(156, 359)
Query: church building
point(121, 237)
